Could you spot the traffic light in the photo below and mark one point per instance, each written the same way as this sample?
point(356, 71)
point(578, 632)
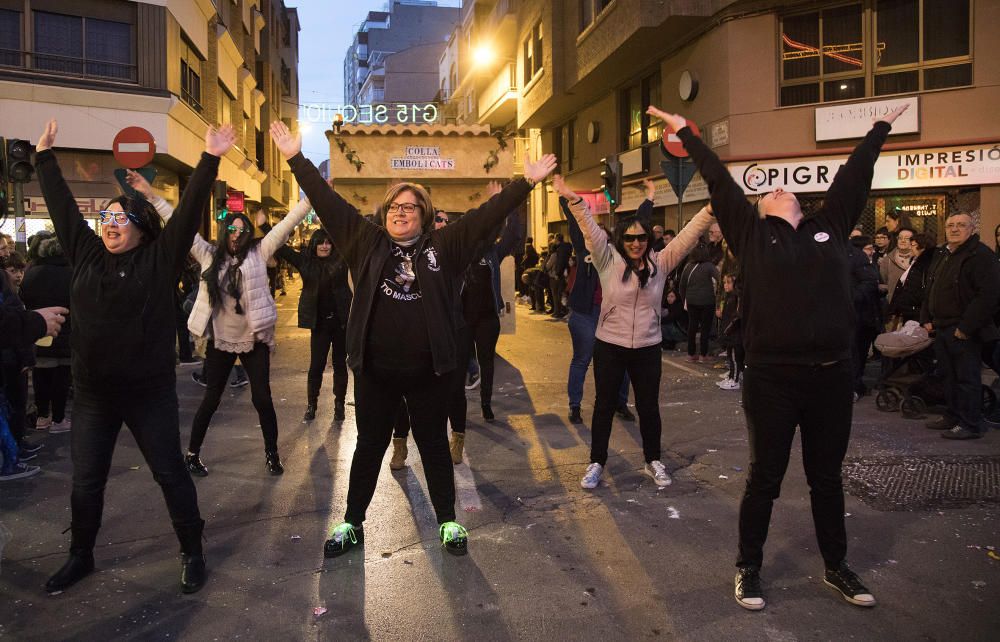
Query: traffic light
point(18, 162)
point(220, 192)
point(612, 175)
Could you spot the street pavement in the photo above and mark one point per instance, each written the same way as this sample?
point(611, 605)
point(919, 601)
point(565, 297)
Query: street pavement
point(547, 560)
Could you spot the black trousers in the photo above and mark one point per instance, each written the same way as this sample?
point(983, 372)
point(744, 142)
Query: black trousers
point(864, 337)
point(483, 334)
point(218, 363)
point(51, 391)
point(558, 286)
point(377, 397)
point(735, 356)
point(152, 417)
point(776, 399)
point(457, 406)
point(328, 336)
point(700, 319)
point(960, 360)
point(644, 368)
point(184, 347)
point(15, 386)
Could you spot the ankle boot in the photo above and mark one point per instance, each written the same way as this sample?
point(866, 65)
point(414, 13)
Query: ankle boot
point(273, 463)
point(456, 447)
point(488, 413)
point(338, 409)
point(193, 572)
point(79, 565)
point(194, 465)
point(310, 413)
point(398, 460)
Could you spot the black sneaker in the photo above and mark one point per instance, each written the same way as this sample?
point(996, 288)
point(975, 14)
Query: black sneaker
point(194, 465)
point(488, 413)
point(624, 413)
point(27, 447)
point(239, 380)
point(24, 455)
point(748, 592)
point(957, 432)
point(944, 423)
point(199, 378)
point(343, 538)
point(849, 585)
point(574, 415)
point(310, 413)
point(273, 464)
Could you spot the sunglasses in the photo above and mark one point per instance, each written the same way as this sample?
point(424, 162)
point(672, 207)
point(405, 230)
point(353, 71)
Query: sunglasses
point(440, 219)
point(237, 229)
point(408, 208)
point(120, 218)
point(633, 238)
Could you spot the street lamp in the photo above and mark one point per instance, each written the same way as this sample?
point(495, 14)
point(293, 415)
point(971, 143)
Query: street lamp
point(483, 56)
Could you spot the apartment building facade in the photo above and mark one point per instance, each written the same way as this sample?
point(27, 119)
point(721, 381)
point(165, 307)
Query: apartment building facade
point(171, 68)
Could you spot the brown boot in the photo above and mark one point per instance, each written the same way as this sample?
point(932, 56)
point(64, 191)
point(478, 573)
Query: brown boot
point(398, 460)
point(456, 447)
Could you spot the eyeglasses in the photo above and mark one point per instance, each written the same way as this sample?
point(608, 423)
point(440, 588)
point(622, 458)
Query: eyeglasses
point(120, 218)
point(408, 208)
point(956, 226)
point(237, 229)
point(633, 238)
point(440, 219)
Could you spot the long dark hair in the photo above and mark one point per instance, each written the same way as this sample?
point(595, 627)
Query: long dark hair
point(231, 280)
point(146, 219)
point(648, 268)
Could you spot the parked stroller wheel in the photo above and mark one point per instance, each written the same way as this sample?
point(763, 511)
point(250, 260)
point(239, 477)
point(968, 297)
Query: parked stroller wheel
point(913, 408)
point(887, 400)
point(989, 400)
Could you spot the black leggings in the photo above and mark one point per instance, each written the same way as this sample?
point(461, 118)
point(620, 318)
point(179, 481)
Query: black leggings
point(327, 333)
point(152, 417)
point(218, 363)
point(377, 402)
point(484, 332)
point(700, 320)
point(735, 355)
point(457, 408)
point(15, 385)
point(644, 368)
point(51, 389)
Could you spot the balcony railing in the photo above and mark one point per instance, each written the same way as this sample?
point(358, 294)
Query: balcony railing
point(499, 89)
point(69, 66)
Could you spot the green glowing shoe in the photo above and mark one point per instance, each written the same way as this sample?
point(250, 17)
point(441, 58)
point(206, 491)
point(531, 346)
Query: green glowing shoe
point(343, 538)
point(454, 538)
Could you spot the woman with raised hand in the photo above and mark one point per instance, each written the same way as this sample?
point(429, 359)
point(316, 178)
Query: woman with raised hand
point(628, 334)
point(401, 332)
point(798, 322)
point(234, 309)
point(123, 348)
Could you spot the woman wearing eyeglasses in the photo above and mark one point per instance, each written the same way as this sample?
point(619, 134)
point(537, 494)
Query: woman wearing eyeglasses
point(123, 348)
point(234, 309)
point(628, 334)
point(401, 333)
point(798, 322)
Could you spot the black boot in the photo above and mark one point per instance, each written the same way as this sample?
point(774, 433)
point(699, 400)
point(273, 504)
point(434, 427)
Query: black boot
point(79, 565)
point(310, 412)
point(194, 465)
point(488, 413)
point(193, 573)
point(574, 415)
point(338, 409)
point(273, 463)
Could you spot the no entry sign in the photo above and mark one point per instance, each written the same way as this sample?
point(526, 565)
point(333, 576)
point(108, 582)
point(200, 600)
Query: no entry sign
point(134, 147)
point(672, 144)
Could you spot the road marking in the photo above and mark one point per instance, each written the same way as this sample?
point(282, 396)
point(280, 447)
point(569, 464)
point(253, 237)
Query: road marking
point(683, 367)
point(465, 487)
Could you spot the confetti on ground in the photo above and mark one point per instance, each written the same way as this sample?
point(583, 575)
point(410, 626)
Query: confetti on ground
point(673, 513)
point(993, 555)
point(713, 450)
point(134, 467)
point(296, 537)
point(723, 476)
point(319, 610)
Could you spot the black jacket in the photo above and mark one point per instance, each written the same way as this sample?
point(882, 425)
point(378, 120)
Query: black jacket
point(47, 283)
point(908, 298)
point(18, 327)
point(123, 304)
point(530, 257)
point(964, 290)
point(864, 289)
point(312, 269)
point(563, 251)
point(797, 303)
point(443, 255)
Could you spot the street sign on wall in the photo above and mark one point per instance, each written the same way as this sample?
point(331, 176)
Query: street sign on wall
point(134, 147)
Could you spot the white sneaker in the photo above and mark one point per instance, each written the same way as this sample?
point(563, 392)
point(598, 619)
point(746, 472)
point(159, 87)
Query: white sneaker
point(592, 477)
point(60, 426)
point(729, 384)
point(43, 423)
point(658, 472)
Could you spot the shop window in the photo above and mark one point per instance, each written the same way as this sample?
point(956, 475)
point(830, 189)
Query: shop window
point(922, 45)
point(83, 46)
point(532, 52)
point(10, 39)
point(638, 128)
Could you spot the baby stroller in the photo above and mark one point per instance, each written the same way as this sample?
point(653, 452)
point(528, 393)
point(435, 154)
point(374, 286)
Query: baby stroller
point(908, 383)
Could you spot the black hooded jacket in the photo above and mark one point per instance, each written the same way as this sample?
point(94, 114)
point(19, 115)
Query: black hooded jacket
point(964, 290)
point(324, 283)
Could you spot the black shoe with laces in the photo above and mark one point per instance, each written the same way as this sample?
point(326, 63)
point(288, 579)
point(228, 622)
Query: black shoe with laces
point(273, 463)
point(748, 592)
point(194, 465)
point(28, 447)
point(848, 584)
point(343, 538)
point(574, 415)
point(310, 413)
point(199, 378)
point(77, 567)
point(488, 413)
point(192, 573)
point(959, 432)
point(624, 413)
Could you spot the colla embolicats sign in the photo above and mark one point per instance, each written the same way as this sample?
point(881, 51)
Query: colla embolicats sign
point(422, 158)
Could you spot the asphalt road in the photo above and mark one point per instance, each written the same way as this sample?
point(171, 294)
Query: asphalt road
point(547, 560)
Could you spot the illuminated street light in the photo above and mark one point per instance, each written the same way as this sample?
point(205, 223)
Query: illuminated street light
point(483, 56)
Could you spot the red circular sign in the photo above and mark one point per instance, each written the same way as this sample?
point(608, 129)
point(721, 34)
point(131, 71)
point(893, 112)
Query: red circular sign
point(672, 144)
point(134, 147)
